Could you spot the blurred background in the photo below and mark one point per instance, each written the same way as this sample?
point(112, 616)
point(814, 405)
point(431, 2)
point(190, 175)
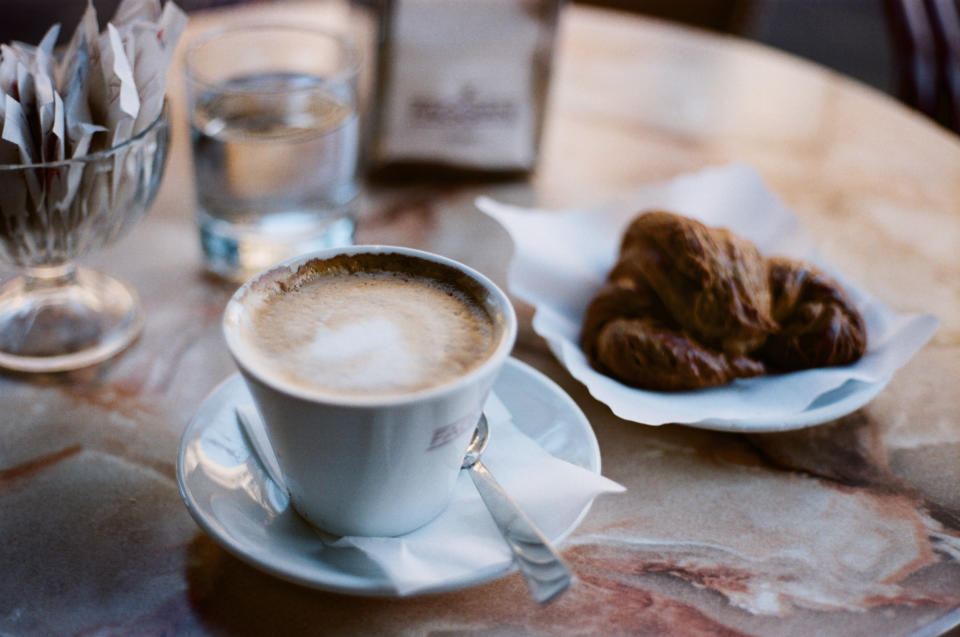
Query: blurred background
point(909, 49)
point(851, 36)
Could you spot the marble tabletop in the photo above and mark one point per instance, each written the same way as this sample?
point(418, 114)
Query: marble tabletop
point(849, 528)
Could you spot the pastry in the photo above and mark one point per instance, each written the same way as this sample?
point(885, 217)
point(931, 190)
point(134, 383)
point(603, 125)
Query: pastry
point(712, 282)
point(819, 325)
point(687, 306)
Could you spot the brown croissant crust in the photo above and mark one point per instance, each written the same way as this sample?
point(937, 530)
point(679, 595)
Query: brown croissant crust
point(622, 298)
point(713, 283)
point(688, 306)
point(819, 325)
point(646, 354)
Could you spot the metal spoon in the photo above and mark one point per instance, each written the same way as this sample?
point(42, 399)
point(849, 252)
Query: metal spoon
point(545, 572)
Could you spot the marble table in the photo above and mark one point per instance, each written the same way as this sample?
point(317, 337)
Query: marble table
point(849, 528)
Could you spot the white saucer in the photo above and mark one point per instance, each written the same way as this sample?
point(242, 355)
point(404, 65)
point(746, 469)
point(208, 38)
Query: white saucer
point(231, 498)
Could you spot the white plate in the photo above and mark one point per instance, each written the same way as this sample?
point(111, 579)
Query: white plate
point(562, 257)
point(230, 497)
point(828, 406)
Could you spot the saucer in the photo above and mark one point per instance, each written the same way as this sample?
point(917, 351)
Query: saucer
point(232, 499)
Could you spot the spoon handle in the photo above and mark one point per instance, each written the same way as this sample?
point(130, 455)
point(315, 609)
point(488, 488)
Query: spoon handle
point(545, 572)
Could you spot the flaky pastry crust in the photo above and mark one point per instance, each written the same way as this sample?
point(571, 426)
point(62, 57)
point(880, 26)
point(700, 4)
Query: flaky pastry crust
point(688, 306)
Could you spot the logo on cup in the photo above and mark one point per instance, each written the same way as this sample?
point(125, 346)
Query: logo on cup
point(448, 433)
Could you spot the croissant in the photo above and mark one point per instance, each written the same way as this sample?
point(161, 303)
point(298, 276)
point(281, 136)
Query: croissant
point(687, 306)
point(648, 354)
point(713, 283)
point(819, 324)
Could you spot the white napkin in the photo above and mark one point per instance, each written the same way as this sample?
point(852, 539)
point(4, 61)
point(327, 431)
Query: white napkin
point(464, 541)
point(561, 260)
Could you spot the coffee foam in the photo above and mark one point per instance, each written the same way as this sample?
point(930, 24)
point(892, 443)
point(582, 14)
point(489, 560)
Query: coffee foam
point(370, 324)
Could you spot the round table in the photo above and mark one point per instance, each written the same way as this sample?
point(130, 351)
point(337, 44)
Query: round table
point(849, 528)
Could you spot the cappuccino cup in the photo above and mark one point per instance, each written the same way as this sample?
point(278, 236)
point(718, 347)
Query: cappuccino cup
point(369, 366)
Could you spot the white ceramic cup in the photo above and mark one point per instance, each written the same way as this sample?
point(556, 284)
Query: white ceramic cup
point(370, 465)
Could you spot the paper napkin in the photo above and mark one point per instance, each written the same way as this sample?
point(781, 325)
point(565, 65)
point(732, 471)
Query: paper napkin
point(464, 541)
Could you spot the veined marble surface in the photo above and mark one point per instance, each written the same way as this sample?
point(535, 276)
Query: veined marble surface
point(850, 528)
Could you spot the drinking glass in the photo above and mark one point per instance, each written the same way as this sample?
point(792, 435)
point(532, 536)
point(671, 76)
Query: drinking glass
point(274, 126)
point(55, 316)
